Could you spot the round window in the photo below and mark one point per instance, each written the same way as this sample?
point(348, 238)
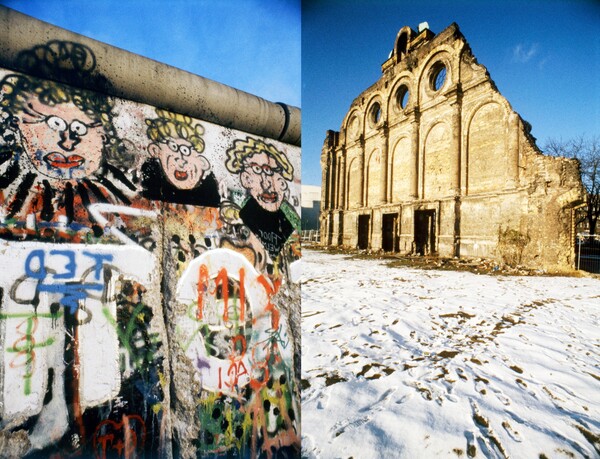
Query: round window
point(438, 76)
point(375, 113)
point(402, 96)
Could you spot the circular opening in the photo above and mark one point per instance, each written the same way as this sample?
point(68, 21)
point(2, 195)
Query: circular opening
point(438, 76)
point(402, 96)
point(375, 113)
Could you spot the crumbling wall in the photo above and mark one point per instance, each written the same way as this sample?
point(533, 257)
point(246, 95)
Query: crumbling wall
point(148, 301)
point(434, 137)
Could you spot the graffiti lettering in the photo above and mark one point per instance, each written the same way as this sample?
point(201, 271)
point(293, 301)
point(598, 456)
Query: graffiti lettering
point(251, 363)
point(105, 204)
point(72, 292)
point(126, 438)
point(210, 280)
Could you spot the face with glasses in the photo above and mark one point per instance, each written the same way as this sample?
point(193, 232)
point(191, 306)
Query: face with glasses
point(61, 141)
point(181, 163)
point(262, 177)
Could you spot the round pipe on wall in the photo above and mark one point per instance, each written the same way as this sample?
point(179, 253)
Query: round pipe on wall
point(126, 75)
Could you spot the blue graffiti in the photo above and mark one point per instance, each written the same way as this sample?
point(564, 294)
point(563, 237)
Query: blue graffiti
point(72, 290)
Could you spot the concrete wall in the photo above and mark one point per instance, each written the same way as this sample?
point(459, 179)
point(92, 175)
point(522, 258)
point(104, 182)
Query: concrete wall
point(434, 143)
point(148, 303)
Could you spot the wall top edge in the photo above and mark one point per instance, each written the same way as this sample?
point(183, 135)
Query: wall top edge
point(26, 43)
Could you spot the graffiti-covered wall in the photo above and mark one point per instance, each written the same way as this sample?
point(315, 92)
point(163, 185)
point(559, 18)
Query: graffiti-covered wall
point(147, 298)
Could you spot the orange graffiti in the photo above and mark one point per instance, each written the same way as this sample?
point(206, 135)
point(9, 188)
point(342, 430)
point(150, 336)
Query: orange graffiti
point(223, 281)
point(222, 288)
point(202, 288)
point(271, 292)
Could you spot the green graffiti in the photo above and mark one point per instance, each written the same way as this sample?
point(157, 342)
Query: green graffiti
point(132, 327)
point(251, 424)
point(25, 346)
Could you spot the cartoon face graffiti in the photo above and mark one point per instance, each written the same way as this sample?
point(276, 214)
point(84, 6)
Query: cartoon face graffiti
point(178, 145)
point(263, 180)
point(61, 141)
point(264, 171)
point(60, 149)
point(183, 166)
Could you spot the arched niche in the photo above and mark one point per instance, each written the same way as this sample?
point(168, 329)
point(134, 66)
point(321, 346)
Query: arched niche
point(401, 169)
point(402, 43)
point(487, 149)
point(353, 126)
point(373, 182)
point(354, 182)
point(438, 180)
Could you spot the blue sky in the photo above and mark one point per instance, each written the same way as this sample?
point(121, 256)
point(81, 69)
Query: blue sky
point(544, 57)
point(251, 45)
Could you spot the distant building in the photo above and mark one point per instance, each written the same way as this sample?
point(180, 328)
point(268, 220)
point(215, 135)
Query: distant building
point(311, 204)
point(432, 159)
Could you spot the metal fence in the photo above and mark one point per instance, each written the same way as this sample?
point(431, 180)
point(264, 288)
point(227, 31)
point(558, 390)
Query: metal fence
point(587, 252)
point(311, 236)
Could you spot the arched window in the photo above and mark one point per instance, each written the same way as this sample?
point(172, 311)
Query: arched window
point(402, 45)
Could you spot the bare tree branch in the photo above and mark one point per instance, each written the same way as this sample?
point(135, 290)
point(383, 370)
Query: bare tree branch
point(587, 151)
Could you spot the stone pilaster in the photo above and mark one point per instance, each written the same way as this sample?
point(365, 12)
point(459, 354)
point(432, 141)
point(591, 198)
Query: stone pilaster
point(413, 172)
point(512, 168)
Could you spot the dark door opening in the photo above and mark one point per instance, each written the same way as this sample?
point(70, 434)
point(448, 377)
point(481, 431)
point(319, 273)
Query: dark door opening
point(424, 232)
point(363, 231)
point(389, 238)
point(341, 232)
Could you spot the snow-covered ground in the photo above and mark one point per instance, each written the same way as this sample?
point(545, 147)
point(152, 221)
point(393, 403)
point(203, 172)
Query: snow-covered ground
point(410, 363)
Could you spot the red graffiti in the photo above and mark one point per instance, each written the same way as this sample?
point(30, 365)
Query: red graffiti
point(24, 346)
point(271, 292)
point(221, 290)
point(223, 281)
point(202, 288)
point(126, 438)
point(237, 368)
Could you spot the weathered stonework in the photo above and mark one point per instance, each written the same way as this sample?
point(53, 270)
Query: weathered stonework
point(432, 159)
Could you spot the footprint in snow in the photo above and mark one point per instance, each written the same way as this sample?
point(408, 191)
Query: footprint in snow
point(309, 450)
point(485, 446)
point(404, 398)
point(323, 401)
point(471, 446)
point(461, 374)
point(514, 434)
point(500, 396)
point(342, 426)
point(452, 398)
point(380, 404)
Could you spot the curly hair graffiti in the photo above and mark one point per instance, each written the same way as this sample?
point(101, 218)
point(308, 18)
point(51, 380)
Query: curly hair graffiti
point(264, 172)
point(71, 153)
point(178, 171)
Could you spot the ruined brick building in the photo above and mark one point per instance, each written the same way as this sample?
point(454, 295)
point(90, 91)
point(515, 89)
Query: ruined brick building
point(432, 159)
